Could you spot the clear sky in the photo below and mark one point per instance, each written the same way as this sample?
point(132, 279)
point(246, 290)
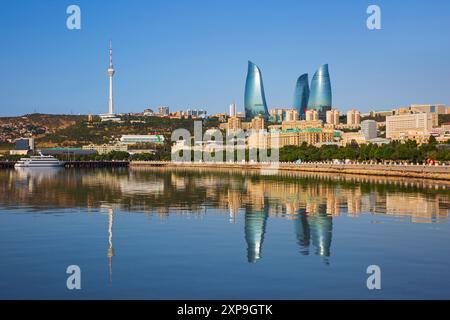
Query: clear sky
point(194, 53)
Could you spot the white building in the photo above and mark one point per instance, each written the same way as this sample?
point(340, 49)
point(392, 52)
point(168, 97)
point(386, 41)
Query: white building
point(402, 126)
point(232, 110)
point(134, 139)
point(369, 129)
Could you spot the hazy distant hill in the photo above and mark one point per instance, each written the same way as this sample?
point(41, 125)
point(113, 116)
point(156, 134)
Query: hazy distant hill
point(50, 121)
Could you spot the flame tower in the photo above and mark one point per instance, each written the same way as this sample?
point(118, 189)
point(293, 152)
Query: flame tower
point(255, 99)
point(111, 72)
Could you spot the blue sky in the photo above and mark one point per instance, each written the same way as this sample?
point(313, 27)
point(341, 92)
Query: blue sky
point(194, 53)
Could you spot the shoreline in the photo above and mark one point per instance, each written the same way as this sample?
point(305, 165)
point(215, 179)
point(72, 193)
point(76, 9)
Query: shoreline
point(435, 173)
point(441, 173)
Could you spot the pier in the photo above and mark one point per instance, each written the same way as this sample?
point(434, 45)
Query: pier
point(97, 164)
point(7, 164)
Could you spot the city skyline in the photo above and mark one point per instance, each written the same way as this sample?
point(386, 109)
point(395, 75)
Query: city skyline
point(65, 73)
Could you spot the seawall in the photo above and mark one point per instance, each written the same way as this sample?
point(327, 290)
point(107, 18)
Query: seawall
point(392, 170)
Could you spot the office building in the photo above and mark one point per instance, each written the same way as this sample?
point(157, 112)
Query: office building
point(255, 99)
point(320, 97)
point(415, 126)
point(301, 95)
point(232, 110)
point(369, 129)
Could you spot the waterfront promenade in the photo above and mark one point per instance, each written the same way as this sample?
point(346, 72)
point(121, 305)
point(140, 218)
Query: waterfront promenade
point(438, 172)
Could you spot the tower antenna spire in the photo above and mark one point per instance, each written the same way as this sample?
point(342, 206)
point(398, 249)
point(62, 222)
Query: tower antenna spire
point(110, 54)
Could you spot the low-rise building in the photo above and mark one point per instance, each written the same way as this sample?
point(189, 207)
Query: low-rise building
point(135, 139)
point(301, 124)
point(349, 137)
point(291, 137)
point(106, 148)
point(429, 108)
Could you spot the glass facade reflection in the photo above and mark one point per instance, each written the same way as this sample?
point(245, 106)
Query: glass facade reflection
point(255, 228)
point(255, 99)
point(301, 95)
point(320, 96)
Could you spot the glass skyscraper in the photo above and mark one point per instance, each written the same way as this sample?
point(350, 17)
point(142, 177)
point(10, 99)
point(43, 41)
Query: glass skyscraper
point(301, 95)
point(255, 99)
point(320, 95)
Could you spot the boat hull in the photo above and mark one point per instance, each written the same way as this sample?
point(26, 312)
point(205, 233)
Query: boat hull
point(39, 165)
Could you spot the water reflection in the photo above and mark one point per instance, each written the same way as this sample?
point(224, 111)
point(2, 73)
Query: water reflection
point(316, 230)
point(310, 201)
point(255, 228)
point(110, 241)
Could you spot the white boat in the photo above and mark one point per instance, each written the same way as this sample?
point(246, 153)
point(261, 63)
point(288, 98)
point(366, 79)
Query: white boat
point(40, 161)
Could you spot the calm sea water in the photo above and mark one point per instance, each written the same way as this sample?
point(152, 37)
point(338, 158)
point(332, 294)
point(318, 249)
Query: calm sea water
point(174, 234)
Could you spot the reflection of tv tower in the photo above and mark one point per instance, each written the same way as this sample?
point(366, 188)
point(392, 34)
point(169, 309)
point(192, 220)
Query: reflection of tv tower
point(110, 244)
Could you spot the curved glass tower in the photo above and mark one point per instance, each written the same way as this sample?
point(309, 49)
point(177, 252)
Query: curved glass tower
point(301, 95)
point(320, 95)
point(255, 99)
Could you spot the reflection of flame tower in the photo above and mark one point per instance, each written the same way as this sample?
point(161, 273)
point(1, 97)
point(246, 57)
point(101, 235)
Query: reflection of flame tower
point(255, 227)
point(316, 229)
point(110, 244)
point(302, 232)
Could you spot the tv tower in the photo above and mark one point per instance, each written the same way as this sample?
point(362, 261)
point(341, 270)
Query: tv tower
point(110, 75)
